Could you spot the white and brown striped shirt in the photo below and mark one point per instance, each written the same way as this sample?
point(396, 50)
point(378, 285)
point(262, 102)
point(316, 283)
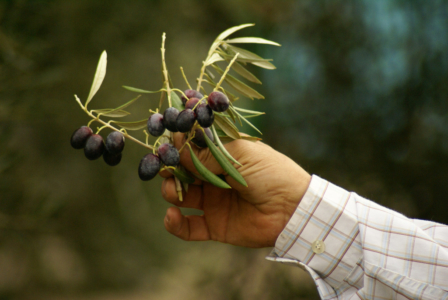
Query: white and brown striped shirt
point(356, 249)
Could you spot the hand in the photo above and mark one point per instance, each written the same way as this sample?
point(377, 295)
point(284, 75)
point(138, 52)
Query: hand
point(250, 216)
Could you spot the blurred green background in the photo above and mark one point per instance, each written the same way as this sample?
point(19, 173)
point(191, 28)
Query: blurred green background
point(359, 97)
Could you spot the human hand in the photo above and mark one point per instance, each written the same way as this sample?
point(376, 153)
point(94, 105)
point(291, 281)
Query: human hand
point(250, 216)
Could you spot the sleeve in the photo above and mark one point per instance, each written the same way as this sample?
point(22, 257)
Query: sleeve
point(356, 249)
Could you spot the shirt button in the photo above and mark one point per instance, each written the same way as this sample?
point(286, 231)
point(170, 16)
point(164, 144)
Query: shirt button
point(318, 247)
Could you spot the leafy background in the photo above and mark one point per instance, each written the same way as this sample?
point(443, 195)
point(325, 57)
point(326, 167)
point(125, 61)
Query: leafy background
point(359, 98)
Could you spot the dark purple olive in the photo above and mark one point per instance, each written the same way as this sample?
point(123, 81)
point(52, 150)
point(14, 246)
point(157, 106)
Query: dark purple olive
point(94, 147)
point(115, 142)
point(204, 115)
point(149, 167)
point(80, 136)
point(218, 101)
point(191, 94)
point(155, 125)
point(112, 159)
point(168, 154)
point(169, 119)
point(185, 120)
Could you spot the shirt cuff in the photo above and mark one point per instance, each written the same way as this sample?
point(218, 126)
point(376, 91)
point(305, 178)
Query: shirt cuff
point(322, 234)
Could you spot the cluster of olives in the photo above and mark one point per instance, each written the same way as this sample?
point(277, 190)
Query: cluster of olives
point(196, 109)
point(94, 146)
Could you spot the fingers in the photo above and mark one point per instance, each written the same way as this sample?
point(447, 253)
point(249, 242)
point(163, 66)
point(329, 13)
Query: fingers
point(188, 228)
point(192, 199)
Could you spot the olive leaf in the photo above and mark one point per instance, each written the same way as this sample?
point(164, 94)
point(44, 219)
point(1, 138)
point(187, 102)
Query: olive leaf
point(137, 125)
point(99, 77)
point(183, 176)
point(250, 57)
point(231, 30)
point(223, 162)
point(214, 58)
point(239, 85)
point(176, 101)
point(137, 90)
point(237, 67)
point(118, 111)
point(222, 148)
point(248, 111)
point(112, 113)
point(251, 40)
point(225, 139)
point(204, 172)
point(227, 126)
point(224, 35)
point(247, 121)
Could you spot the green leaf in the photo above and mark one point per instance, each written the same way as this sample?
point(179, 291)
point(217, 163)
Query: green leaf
point(226, 139)
point(224, 163)
point(245, 73)
point(137, 125)
point(231, 30)
point(248, 111)
point(176, 101)
point(256, 60)
point(249, 123)
point(99, 76)
point(214, 58)
point(118, 111)
point(112, 113)
point(222, 148)
point(227, 126)
point(223, 35)
point(137, 90)
point(251, 40)
point(240, 86)
point(183, 176)
point(204, 172)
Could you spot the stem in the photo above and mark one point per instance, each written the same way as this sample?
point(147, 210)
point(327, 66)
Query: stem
point(165, 71)
point(201, 75)
point(190, 137)
point(185, 77)
point(110, 126)
point(225, 72)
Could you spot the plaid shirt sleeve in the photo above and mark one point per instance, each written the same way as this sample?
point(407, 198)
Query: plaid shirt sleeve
point(356, 249)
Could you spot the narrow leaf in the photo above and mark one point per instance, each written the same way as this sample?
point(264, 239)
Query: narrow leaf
point(249, 123)
point(99, 76)
point(112, 113)
point(214, 58)
point(176, 102)
point(137, 125)
point(221, 146)
point(231, 30)
point(137, 90)
point(225, 34)
point(251, 40)
point(227, 126)
point(183, 176)
point(258, 61)
point(239, 85)
point(204, 172)
point(224, 163)
point(248, 111)
point(245, 73)
point(225, 139)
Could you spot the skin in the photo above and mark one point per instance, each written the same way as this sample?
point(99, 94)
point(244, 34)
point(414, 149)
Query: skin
point(250, 216)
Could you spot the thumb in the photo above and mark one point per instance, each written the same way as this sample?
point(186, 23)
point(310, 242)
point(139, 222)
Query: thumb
point(203, 154)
